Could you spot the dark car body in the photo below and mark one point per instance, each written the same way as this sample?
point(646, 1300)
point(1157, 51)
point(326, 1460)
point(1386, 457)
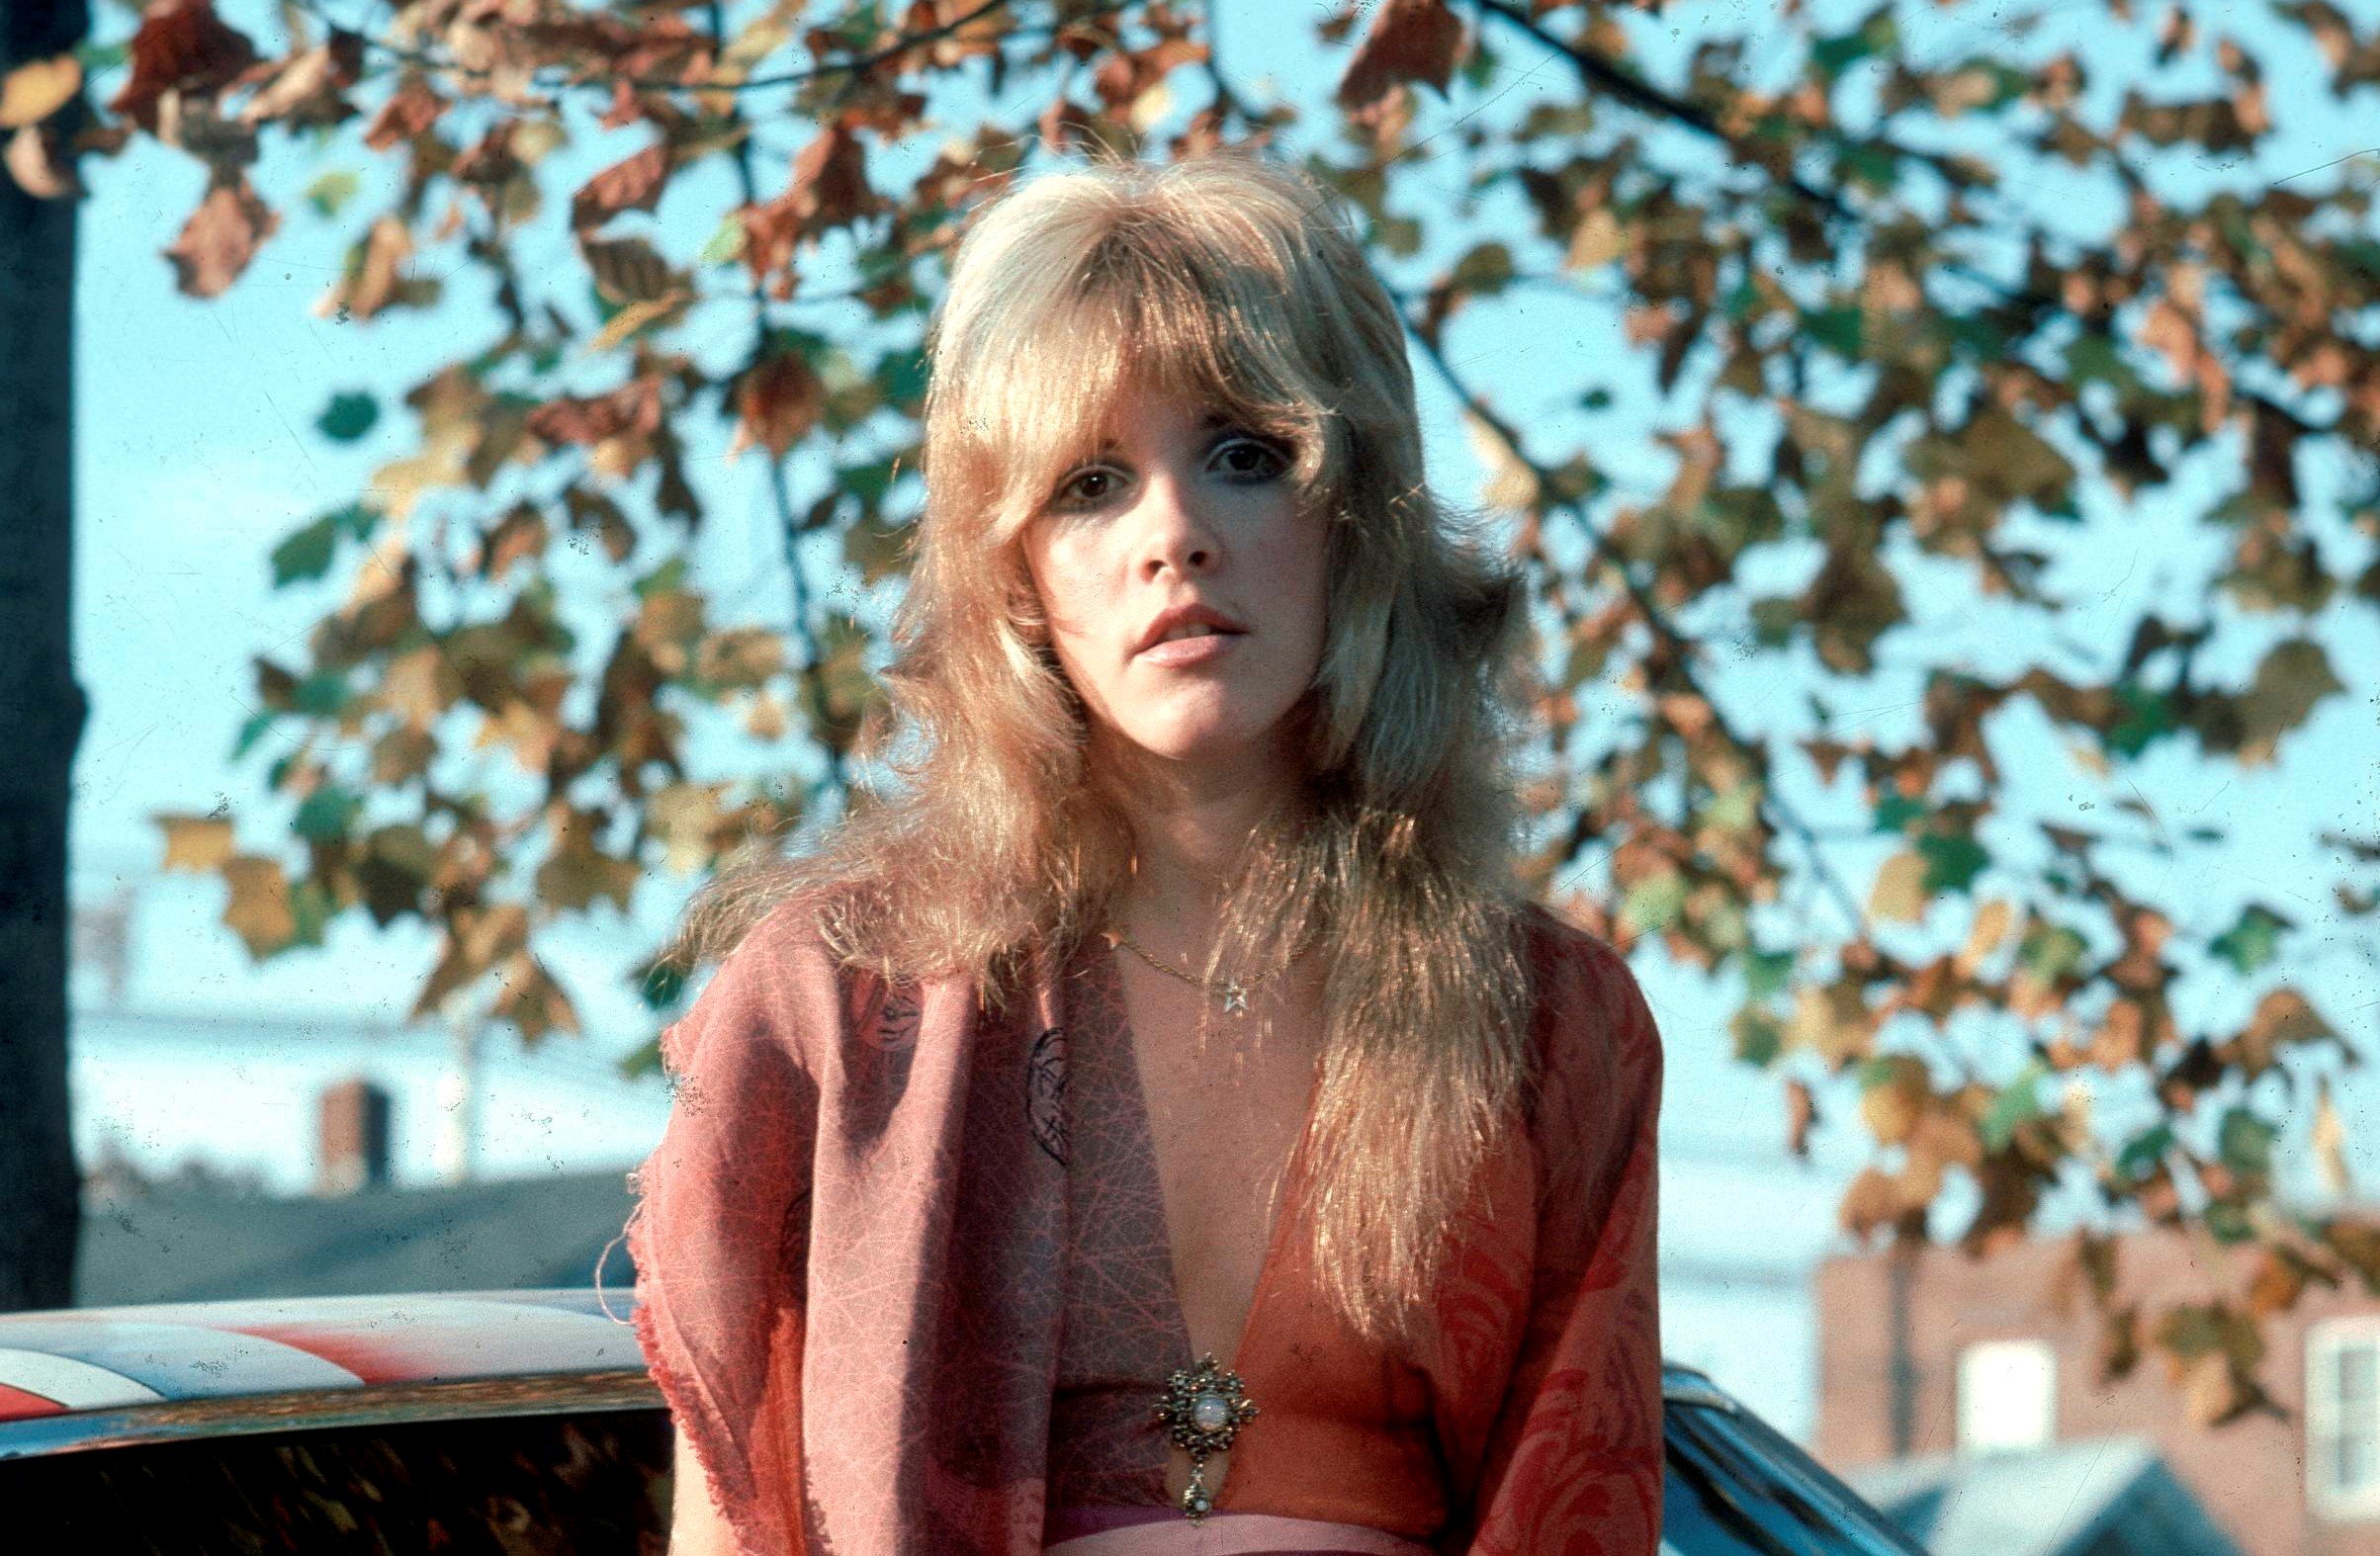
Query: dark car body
point(524, 1422)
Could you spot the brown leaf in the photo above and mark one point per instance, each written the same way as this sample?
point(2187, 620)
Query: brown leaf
point(36, 90)
point(220, 240)
point(633, 182)
point(778, 400)
point(182, 46)
point(1894, 1096)
point(532, 1000)
point(1409, 41)
point(634, 406)
point(1800, 1114)
point(39, 165)
point(200, 843)
point(2282, 1017)
point(309, 90)
point(627, 270)
point(259, 910)
point(375, 272)
point(411, 109)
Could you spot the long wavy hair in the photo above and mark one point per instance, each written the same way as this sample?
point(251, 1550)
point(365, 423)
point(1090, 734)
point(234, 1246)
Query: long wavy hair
point(1236, 280)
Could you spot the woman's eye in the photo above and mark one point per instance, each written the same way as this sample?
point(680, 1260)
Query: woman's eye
point(1091, 486)
point(1251, 458)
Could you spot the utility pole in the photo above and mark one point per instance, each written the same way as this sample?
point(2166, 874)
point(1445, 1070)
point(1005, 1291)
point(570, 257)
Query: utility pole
point(40, 706)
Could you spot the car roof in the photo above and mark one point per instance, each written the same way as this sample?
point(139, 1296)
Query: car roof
point(88, 1377)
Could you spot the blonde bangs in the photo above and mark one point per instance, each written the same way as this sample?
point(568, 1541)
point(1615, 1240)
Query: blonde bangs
point(1030, 373)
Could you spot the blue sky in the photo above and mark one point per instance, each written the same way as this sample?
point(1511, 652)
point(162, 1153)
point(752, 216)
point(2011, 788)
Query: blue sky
point(197, 453)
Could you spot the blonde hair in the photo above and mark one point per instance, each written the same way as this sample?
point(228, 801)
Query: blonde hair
point(1237, 281)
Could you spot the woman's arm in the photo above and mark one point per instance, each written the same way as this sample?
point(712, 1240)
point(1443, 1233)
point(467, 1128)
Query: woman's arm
point(719, 1232)
point(1573, 1464)
point(696, 1525)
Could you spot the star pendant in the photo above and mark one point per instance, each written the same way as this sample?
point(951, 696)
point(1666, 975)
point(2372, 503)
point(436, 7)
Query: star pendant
point(1235, 997)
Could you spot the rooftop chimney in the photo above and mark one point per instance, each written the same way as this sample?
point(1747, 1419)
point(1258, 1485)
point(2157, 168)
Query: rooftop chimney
point(354, 1148)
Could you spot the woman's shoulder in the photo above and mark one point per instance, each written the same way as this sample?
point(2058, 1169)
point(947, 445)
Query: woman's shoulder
point(1597, 1035)
point(778, 979)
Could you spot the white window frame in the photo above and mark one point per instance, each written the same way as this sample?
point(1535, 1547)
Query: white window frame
point(2325, 1340)
point(1969, 1409)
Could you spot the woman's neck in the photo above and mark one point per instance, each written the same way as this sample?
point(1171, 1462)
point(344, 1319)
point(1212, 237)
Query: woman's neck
point(1190, 827)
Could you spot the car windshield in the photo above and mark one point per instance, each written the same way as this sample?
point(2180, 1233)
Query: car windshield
point(1737, 1488)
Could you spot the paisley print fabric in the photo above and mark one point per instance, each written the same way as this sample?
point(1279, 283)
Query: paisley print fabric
point(860, 1293)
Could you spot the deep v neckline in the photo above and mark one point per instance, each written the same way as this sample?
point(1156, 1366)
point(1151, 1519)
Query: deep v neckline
point(1268, 1261)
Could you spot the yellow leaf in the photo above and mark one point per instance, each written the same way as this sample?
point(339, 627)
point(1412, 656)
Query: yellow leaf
point(2330, 1142)
point(1900, 890)
point(1596, 239)
point(33, 92)
point(1983, 937)
point(198, 843)
point(1830, 1021)
point(1511, 485)
point(259, 910)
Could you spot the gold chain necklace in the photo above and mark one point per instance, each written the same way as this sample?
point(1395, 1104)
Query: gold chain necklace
point(1234, 994)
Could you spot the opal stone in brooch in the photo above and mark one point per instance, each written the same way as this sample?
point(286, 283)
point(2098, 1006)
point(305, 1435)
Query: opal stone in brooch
point(1203, 1409)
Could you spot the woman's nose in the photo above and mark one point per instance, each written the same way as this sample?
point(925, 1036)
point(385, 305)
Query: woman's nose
point(1177, 531)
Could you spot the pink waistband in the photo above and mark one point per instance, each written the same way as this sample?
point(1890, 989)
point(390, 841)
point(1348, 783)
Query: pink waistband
point(1164, 1531)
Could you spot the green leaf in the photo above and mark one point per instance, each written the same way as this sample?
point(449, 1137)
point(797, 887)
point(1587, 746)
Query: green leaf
point(1895, 811)
point(2244, 1142)
point(1653, 902)
point(1839, 330)
point(2147, 713)
point(670, 574)
point(348, 417)
point(324, 816)
point(306, 553)
point(1951, 862)
point(2142, 1152)
point(251, 731)
point(2228, 1220)
point(332, 192)
point(321, 694)
point(2019, 1101)
point(1758, 1037)
point(311, 906)
point(726, 245)
point(1765, 973)
point(2252, 942)
point(2049, 952)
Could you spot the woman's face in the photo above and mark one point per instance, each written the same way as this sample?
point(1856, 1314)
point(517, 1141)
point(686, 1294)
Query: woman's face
point(1181, 508)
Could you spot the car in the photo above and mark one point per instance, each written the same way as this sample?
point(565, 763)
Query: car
point(524, 1422)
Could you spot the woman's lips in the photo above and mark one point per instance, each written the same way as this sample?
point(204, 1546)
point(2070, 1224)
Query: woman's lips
point(1181, 653)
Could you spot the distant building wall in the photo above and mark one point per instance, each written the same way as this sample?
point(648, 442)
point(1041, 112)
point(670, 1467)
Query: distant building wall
point(2251, 1475)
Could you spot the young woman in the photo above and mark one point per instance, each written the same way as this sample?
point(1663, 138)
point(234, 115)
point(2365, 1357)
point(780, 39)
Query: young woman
point(1166, 1125)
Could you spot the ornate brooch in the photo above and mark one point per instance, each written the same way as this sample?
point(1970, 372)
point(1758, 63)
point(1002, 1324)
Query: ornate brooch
point(1203, 1409)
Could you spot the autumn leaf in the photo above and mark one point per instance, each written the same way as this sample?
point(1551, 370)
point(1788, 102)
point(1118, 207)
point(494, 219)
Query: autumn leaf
point(220, 239)
point(36, 90)
point(1409, 41)
point(634, 183)
point(778, 400)
point(197, 844)
point(2330, 1141)
point(259, 910)
point(181, 45)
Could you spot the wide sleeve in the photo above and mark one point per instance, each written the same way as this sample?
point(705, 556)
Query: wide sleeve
point(1573, 1459)
point(719, 1232)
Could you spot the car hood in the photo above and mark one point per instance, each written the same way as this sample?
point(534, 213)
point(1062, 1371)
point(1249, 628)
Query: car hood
point(63, 1361)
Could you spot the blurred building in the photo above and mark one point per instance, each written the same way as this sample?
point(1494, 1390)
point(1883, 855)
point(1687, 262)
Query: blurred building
point(1944, 1380)
point(198, 1234)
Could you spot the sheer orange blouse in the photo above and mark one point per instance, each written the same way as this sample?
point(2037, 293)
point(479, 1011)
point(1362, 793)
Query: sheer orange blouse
point(904, 1280)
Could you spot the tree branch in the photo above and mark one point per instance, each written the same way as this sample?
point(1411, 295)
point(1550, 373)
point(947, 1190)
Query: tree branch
point(1649, 609)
